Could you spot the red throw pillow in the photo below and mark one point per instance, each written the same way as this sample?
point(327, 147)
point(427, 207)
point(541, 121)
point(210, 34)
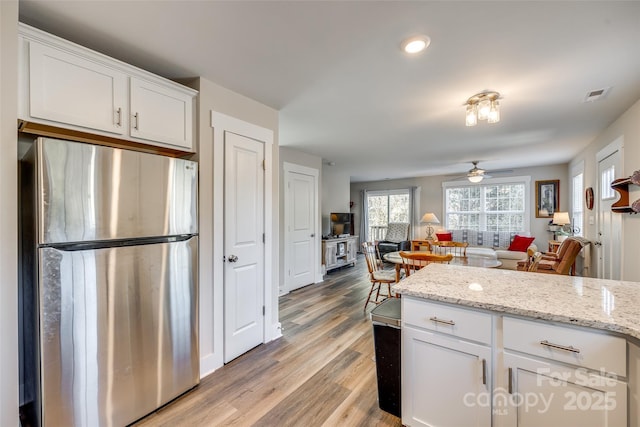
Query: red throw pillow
point(444, 237)
point(521, 243)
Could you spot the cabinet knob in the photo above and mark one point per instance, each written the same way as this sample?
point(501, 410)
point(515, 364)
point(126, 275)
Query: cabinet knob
point(312, 235)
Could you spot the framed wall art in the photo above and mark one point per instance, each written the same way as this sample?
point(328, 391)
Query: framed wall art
point(547, 198)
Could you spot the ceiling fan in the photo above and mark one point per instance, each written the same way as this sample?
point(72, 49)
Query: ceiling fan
point(476, 174)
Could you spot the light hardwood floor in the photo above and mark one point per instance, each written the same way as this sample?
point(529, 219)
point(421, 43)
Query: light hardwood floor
point(320, 373)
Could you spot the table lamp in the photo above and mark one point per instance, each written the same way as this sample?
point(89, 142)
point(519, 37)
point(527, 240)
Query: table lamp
point(430, 218)
point(561, 219)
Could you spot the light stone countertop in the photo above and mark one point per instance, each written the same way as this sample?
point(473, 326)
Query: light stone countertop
point(602, 304)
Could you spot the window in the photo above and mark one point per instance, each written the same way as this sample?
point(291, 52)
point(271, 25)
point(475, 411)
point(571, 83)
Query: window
point(494, 205)
point(607, 177)
point(577, 199)
point(384, 207)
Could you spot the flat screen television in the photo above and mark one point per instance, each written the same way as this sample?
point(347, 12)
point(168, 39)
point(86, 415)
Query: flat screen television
point(341, 224)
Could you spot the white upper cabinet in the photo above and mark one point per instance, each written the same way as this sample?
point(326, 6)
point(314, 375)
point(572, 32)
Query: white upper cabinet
point(160, 114)
point(68, 86)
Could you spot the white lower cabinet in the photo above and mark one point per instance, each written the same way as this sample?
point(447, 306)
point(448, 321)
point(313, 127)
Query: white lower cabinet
point(533, 393)
point(467, 367)
point(446, 381)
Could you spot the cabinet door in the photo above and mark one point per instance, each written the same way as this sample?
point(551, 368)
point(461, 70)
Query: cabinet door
point(535, 393)
point(330, 254)
point(446, 382)
point(162, 114)
point(352, 250)
point(68, 89)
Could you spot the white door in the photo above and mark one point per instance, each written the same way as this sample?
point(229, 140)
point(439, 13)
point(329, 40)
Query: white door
point(446, 382)
point(609, 231)
point(243, 245)
point(300, 226)
point(536, 393)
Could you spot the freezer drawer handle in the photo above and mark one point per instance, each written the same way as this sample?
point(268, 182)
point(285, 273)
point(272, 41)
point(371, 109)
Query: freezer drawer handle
point(232, 258)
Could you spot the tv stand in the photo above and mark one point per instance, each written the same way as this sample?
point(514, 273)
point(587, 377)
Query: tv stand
point(338, 252)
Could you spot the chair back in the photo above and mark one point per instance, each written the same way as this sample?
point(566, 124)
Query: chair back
point(535, 260)
point(568, 257)
point(371, 255)
point(412, 262)
point(458, 249)
point(397, 232)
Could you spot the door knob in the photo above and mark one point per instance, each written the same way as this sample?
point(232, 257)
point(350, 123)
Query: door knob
point(232, 258)
point(313, 235)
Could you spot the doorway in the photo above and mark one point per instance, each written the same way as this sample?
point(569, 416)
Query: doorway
point(301, 226)
point(609, 225)
point(245, 303)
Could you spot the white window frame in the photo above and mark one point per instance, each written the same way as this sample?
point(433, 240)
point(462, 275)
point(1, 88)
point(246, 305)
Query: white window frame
point(577, 200)
point(374, 193)
point(526, 180)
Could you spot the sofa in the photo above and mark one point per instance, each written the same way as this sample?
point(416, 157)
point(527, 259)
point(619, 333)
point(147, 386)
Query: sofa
point(396, 239)
point(494, 244)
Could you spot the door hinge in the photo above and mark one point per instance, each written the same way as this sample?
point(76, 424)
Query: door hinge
point(263, 238)
point(264, 165)
point(263, 310)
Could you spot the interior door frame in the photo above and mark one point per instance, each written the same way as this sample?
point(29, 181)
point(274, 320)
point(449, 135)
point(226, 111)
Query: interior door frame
point(616, 145)
point(222, 123)
point(303, 170)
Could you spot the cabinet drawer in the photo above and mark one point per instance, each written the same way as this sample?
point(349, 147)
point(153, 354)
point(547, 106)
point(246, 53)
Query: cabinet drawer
point(587, 349)
point(460, 322)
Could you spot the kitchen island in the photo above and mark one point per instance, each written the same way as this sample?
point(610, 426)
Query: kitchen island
point(485, 347)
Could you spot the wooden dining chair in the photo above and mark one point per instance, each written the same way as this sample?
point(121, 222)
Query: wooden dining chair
point(411, 262)
point(377, 275)
point(458, 249)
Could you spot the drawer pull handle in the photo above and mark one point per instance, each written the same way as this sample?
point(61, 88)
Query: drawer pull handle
point(510, 380)
point(446, 322)
point(560, 347)
point(484, 371)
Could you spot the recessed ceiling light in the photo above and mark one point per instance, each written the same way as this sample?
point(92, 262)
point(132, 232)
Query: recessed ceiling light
point(415, 44)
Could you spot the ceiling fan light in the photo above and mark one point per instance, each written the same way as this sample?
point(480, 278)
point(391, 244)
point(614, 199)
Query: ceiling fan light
point(475, 178)
point(484, 107)
point(472, 116)
point(494, 112)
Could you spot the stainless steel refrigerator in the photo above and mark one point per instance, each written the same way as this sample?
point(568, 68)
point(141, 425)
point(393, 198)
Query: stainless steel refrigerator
point(109, 294)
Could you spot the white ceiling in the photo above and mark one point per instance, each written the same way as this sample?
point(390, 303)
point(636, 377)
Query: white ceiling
point(345, 91)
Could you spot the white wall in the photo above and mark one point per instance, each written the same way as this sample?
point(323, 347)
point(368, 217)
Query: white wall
point(431, 199)
point(8, 213)
point(628, 126)
point(335, 195)
point(216, 98)
point(296, 157)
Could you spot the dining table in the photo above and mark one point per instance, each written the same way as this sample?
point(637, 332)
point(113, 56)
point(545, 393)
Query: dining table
point(469, 261)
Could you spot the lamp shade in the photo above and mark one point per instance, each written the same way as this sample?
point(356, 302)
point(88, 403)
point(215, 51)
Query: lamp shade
point(430, 218)
point(561, 218)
